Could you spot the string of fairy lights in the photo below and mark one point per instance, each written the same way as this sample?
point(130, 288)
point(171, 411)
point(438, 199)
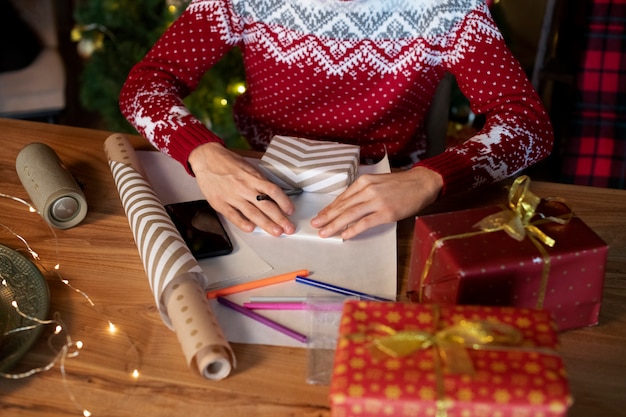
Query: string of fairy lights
point(90, 38)
point(68, 348)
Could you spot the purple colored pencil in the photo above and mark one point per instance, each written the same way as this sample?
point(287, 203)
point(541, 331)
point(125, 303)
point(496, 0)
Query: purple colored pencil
point(264, 320)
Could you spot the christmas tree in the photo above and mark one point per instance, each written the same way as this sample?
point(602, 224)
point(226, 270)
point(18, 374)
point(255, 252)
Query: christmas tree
point(113, 35)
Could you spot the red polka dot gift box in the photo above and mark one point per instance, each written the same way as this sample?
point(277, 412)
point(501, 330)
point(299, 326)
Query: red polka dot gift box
point(407, 359)
point(312, 165)
point(531, 253)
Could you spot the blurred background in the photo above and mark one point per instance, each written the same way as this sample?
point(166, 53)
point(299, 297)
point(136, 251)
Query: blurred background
point(64, 61)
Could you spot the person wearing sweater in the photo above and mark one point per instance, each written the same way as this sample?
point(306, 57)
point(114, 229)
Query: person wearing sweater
point(361, 72)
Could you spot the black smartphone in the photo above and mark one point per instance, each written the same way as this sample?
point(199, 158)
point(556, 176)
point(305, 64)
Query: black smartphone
point(201, 228)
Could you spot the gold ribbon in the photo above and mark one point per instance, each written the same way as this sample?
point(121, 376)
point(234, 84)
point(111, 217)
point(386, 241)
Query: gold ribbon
point(466, 333)
point(518, 220)
point(451, 344)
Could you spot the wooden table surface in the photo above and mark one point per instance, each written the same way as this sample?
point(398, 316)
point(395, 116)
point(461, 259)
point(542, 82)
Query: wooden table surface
point(99, 257)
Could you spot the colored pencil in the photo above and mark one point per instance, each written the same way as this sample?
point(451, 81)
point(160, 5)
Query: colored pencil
point(275, 306)
point(257, 283)
point(339, 290)
point(277, 299)
point(264, 320)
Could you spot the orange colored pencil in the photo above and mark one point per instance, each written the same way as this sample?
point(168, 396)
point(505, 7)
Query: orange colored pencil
point(257, 284)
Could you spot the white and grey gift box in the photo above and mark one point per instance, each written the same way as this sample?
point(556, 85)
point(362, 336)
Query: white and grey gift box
point(313, 165)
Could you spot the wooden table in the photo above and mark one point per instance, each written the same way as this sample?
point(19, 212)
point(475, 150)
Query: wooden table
point(100, 258)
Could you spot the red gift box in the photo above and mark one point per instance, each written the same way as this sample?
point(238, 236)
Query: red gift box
point(518, 374)
point(454, 262)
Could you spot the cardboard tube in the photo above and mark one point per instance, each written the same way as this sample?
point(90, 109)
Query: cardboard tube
point(203, 345)
point(175, 277)
point(118, 148)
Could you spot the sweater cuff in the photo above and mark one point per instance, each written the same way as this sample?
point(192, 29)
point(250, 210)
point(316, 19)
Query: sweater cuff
point(456, 171)
point(187, 138)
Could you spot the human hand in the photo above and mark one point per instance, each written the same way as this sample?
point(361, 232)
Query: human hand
point(230, 185)
point(376, 199)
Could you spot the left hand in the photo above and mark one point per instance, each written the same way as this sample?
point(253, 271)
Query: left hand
point(376, 199)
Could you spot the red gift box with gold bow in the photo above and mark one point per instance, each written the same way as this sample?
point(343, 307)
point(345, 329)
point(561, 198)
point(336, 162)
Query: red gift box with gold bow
point(532, 253)
point(408, 359)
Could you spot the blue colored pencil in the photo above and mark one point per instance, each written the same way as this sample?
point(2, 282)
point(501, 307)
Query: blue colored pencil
point(339, 290)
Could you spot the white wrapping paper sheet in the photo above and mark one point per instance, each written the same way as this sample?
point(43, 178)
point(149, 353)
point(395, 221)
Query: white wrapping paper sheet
point(307, 206)
point(367, 263)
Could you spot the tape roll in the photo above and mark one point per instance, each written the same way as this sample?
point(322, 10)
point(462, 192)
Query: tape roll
point(51, 187)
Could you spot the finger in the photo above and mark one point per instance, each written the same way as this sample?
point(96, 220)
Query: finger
point(363, 224)
point(334, 224)
point(357, 193)
point(268, 216)
point(247, 219)
point(275, 215)
point(341, 206)
point(235, 217)
point(277, 197)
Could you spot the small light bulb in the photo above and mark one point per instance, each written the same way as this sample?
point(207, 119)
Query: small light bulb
point(241, 88)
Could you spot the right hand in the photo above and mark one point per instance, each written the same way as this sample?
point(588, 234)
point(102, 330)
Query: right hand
point(230, 185)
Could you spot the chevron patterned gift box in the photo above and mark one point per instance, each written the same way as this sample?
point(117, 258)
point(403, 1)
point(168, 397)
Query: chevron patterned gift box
point(315, 166)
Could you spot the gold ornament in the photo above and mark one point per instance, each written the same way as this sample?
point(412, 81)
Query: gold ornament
point(87, 46)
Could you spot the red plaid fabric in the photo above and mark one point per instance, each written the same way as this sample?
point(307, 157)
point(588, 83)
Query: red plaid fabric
point(595, 153)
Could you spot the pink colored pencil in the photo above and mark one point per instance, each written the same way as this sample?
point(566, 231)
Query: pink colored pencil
point(275, 306)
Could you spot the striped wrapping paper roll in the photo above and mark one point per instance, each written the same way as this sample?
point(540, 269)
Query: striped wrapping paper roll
point(315, 166)
point(175, 277)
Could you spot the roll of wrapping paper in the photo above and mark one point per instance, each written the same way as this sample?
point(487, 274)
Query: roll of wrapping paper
point(175, 277)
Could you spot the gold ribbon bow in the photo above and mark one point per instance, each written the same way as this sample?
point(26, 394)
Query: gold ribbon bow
point(451, 343)
point(518, 220)
point(466, 333)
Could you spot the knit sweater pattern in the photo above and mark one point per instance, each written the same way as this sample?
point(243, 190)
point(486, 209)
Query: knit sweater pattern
point(361, 72)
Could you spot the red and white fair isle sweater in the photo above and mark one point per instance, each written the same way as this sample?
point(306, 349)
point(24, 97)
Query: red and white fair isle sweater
point(355, 71)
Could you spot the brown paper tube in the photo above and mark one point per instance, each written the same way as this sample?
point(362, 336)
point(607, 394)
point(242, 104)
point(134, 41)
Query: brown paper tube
point(189, 311)
point(118, 148)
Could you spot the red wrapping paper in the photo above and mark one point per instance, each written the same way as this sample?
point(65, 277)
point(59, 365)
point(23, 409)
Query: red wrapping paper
point(522, 381)
point(496, 270)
